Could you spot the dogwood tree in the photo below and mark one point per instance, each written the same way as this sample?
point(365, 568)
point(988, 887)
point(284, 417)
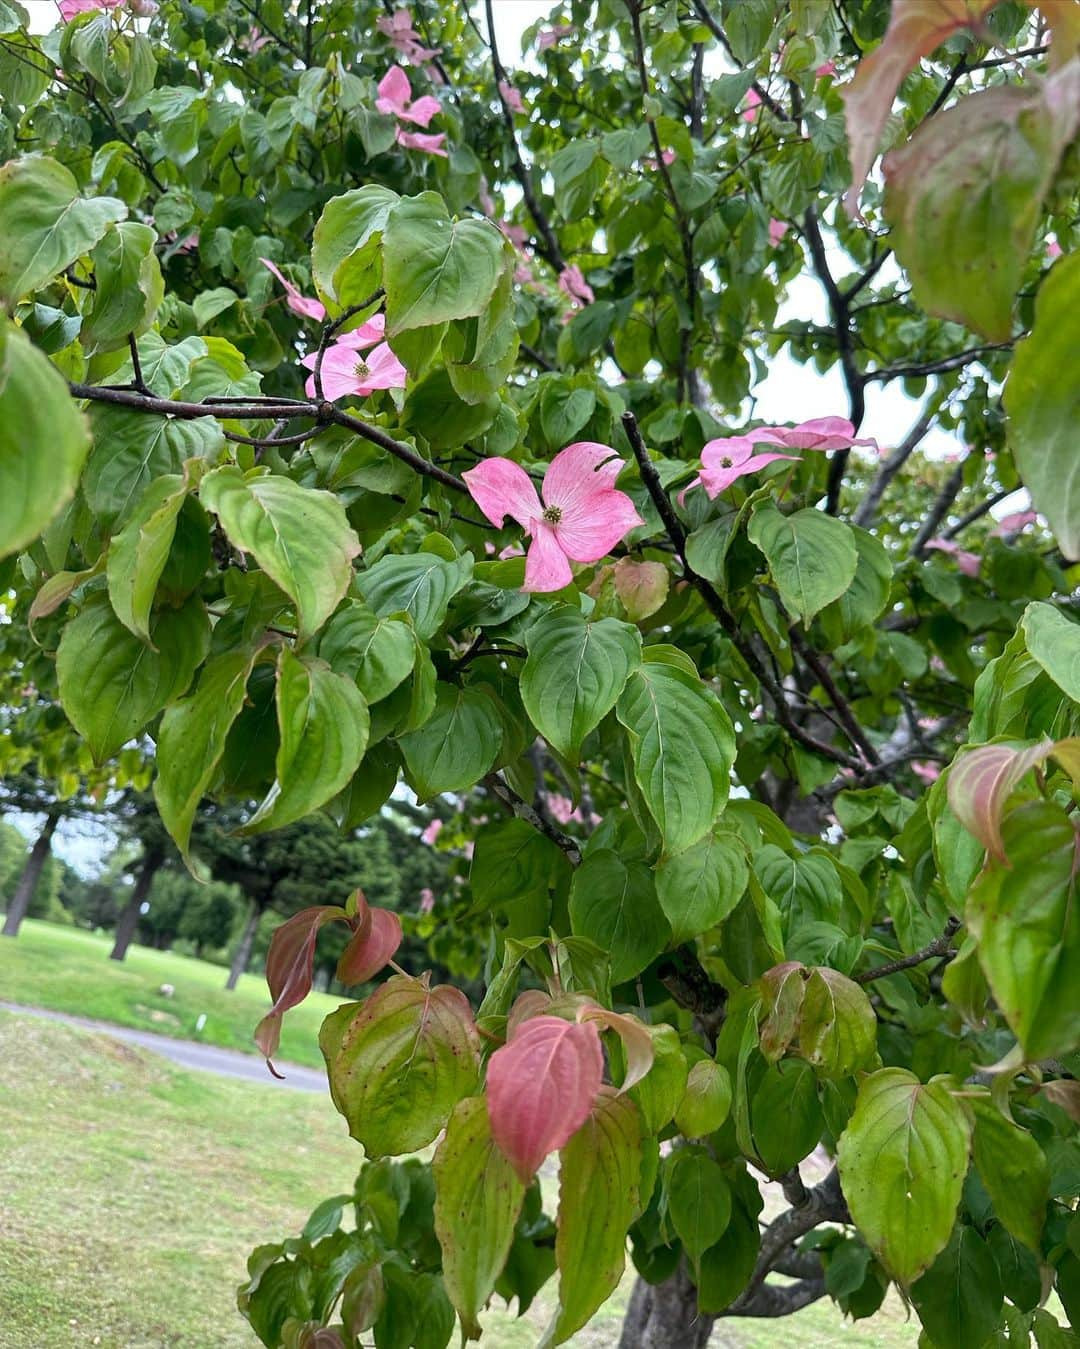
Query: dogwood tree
point(378, 411)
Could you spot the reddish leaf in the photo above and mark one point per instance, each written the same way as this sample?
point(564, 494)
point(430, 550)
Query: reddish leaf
point(642, 587)
point(916, 28)
point(291, 958)
point(289, 964)
point(980, 783)
point(540, 1088)
point(533, 1002)
point(370, 948)
point(636, 1040)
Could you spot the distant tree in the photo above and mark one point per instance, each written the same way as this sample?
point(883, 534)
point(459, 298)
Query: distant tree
point(210, 916)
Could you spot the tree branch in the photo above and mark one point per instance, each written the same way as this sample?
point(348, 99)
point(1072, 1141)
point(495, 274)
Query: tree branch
point(891, 467)
point(711, 24)
point(940, 367)
point(938, 511)
point(941, 946)
point(978, 512)
point(517, 805)
point(848, 720)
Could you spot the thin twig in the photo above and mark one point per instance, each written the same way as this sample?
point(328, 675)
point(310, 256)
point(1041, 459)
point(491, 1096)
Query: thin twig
point(977, 512)
point(938, 511)
point(891, 467)
point(518, 806)
point(941, 946)
point(940, 367)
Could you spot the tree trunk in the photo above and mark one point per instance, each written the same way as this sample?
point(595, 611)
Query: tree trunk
point(31, 872)
point(243, 951)
point(129, 919)
point(665, 1316)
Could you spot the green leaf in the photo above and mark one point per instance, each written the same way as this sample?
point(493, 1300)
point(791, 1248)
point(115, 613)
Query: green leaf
point(574, 673)
point(698, 888)
point(1054, 642)
point(812, 557)
point(456, 746)
point(45, 224)
point(137, 555)
point(421, 584)
point(129, 287)
point(477, 1201)
point(300, 537)
point(902, 1160)
point(132, 448)
point(1043, 405)
point(565, 410)
point(378, 653)
point(191, 741)
point(513, 861)
point(323, 724)
point(786, 1118)
point(964, 196)
point(614, 904)
point(682, 746)
point(345, 247)
point(400, 1062)
point(599, 1174)
point(436, 269)
point(698, 1199)
point(663, 1087)
point(865, 599)
point(706, 1103)
point(112, 684)
point(1015, 1172)
point(44, 441)
point(959, 1297)
point(578, 173)
point(1025, 920)
point(481, 352)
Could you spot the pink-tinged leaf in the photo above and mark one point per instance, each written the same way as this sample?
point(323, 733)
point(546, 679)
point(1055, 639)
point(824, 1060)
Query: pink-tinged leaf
point(501, 488)
point(636, 1041)
point(533, 1002)
point(916, 28)
point(289, 964)
point(540, 1088)
point(370, 949)
point(1064, 1092)
point(783, 989)
point(981, 781)
point(641, 586)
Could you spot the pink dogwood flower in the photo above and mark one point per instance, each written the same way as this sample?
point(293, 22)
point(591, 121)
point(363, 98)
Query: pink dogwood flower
point(1012, 524)
point(929, 772)
point(404, 37)
point(723, 462)
point(255, 41)
point(777, 230)
point(580, 518)
point(969, 563)
point(303, 305)
point(667, 157)
point(427, 899)
point(431, 833)
point(418, 140)
point(827, 68)
point(69, 8)
point(573, 284)
point(369, 332)
point(511, 97)
point(752, 103)
point(345, 371)
point(1053, 249)
point(550, 36)
point(395, 99)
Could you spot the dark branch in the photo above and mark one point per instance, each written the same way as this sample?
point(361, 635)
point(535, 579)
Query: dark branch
point(941, 367)
point(895, 462)
point(518, 806)
point(938, 511)
point(977, 512)
point(941, 946)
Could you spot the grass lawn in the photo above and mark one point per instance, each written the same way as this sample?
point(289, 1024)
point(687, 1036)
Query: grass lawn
point(131, 1192)
point(69, 970)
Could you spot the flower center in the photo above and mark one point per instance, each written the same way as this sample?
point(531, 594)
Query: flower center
point(727, 462)
point(362, 369)
point(552, 514)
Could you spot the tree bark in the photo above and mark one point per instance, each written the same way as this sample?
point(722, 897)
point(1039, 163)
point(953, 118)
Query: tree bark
point(243, 951)
point(31, 873)
point(129, 919)
point(665, 1315)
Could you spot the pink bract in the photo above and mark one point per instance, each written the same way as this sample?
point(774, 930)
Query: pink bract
point(1011, 524)
point(431, 832)
point(511, 97)
point(366, 335)
point(344, 371)
point(582, 515)
point(417, 140)
point(969, 563)
point(69, 8)
point(724, 462)
point(752, 102)
point(572, 283)
point(404, 37)
point(777, 230)
point(395, 99)
point(820, 433)
point(303, 305)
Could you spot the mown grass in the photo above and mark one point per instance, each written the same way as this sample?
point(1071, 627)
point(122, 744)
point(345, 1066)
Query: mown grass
point(69, 970)
point(131, 1193)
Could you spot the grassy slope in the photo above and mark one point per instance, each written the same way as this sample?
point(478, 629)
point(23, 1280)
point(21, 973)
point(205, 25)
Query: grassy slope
point(68, 970)
point(131, 1193)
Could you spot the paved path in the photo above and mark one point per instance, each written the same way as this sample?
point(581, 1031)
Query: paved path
point(190, 1053)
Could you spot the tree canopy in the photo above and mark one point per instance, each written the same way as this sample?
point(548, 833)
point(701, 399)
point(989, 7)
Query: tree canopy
point(380, 418)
